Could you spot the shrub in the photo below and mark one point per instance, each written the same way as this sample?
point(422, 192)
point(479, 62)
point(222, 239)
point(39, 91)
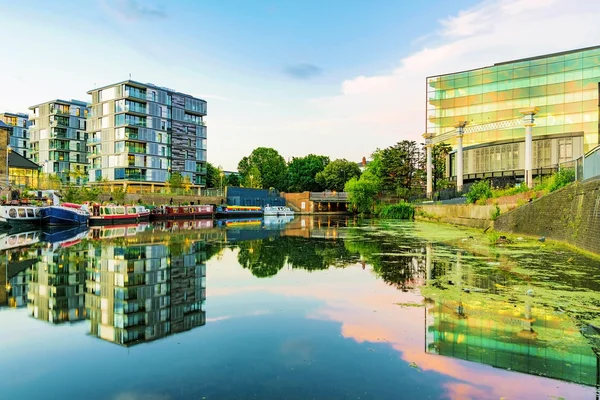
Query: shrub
point(560, 179)
point(495, 212)
point(401, 210)
point(479, 191)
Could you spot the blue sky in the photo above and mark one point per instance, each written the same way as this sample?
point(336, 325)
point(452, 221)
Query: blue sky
point(339, 78)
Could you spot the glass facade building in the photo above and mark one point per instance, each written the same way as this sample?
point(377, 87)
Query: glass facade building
point(18, 130)
point(564, 88)
point(140, 133)
point(58, 139)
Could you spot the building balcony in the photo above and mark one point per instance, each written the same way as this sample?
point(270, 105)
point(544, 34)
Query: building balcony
point(56, 123)
point(59, 111)
point(135, 94)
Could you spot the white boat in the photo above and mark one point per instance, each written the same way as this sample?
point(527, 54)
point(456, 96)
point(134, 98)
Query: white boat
point(11, 241)
point(15, 215)
point(277, 211)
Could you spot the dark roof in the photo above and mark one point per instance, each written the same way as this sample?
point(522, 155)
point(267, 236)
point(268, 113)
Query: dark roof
point(3, 125)
point(15, 160)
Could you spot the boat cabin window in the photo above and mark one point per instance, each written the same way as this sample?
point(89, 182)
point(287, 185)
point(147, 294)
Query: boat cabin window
point(21, 213)
point(30, 213)
point(185, 209)
point(107, 211)
point(12, 213)
point(37, 212)
point(131, 210)
point(119, 210)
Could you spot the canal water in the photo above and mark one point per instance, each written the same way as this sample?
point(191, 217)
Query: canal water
point(304, 308)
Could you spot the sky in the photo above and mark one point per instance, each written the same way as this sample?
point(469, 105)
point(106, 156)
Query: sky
point(339, 78)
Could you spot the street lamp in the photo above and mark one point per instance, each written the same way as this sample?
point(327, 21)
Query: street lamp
point(8, 149)
point(221, 174)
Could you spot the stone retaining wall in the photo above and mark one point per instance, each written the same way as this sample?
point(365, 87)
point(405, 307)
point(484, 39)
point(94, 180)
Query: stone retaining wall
point(571, 214)
point(471, 215)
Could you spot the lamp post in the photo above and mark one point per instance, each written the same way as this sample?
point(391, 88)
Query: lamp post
point(221, 175)
point(8, 149)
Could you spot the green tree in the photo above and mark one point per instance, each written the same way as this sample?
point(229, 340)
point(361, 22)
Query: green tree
point(335, 175)
point(401, 167)
point(212, 176)
point(232, 180)
point(362, 193)
point(253, 179)
point(439, 154)
point(271, 166)
point(302, 172)
point(175, 181)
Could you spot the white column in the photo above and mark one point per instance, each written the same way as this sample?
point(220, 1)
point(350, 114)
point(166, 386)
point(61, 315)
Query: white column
point(460, 130)
point(459, 162)
point(528, 118)
point(429, 166)
point(429, 172)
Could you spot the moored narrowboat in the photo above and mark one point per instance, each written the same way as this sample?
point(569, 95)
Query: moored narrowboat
point(65, 214)
point(117, 215)
point(181, 212)
point(239, 211)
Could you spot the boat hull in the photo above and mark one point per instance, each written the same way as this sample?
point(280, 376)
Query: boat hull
point(56, 216)
point(238, 214)
point(169, 217)
point(117, 220)
point(20, 215)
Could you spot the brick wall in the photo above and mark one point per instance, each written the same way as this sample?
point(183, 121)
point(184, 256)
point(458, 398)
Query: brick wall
point(295, 200)
point(571, 214)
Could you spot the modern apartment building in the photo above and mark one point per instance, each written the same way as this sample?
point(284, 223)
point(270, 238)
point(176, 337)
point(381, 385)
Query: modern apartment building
point(516, 118)
point(140, 133)
point(58, 139)
point(18, 130)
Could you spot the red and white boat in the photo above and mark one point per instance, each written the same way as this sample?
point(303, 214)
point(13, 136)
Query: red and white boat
point(182, 212)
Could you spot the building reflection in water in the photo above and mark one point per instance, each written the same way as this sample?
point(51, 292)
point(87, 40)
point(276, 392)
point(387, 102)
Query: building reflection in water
point(144, 292)
point(512, 334)
point(56, 291)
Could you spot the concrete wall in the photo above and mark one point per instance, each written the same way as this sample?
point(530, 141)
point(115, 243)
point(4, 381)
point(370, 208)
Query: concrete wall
point(571, 214)
point(472, 215)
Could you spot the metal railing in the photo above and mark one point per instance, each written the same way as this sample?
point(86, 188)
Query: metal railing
point(591, 164)
point(329, 196)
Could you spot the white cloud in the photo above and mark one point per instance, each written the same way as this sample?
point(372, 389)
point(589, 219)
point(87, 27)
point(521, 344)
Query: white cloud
point(377, 111)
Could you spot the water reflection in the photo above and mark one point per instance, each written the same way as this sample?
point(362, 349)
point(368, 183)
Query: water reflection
point(139, 283)
point(146, 292)
point(487, 317)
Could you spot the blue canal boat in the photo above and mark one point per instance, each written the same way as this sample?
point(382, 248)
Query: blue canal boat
point(238, 211)
point(65, 214)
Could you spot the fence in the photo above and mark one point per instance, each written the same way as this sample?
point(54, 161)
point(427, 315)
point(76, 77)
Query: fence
point(591, 164)
point(575, 165)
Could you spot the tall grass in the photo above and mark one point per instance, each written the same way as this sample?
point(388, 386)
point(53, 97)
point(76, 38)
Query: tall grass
point(402, 210)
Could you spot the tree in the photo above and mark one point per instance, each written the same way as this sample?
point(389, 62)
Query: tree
point(175, 180)
point(212, 176)
point(439, 154)
point(302, 172)
point(335, 174)
point(271, 166)
point(253, 178)
point(362, 193)
point(232, 180)
point(401, 167)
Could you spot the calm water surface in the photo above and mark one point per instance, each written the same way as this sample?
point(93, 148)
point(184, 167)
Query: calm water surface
point(309, 308)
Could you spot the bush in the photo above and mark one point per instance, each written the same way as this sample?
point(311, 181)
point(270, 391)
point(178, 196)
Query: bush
point(479, 191)
point(495, 213)
point(401, 210)
point(561, 179)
